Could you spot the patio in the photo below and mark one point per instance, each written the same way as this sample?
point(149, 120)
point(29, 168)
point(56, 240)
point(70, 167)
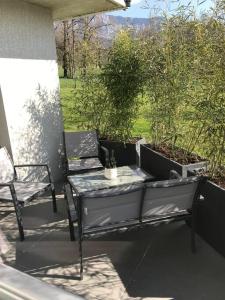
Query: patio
point(151, 263)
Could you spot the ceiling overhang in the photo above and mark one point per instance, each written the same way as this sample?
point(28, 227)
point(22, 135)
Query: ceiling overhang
point(65, 9)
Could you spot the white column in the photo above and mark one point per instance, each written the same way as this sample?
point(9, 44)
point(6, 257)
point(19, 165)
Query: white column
point(29, 85)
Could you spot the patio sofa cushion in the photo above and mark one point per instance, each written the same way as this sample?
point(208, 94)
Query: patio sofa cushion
point(84, 164)
point(110, 206)
point(25, 191)
point(168, 197)
point(6, 166)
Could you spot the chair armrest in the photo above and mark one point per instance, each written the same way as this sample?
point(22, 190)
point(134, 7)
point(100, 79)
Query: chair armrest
point(174, 182)
point(11, 188)
point(174, 175)
point(30, 165)
point(34, 166)
point(106, 150)
point(6, 184)
point(64, 161)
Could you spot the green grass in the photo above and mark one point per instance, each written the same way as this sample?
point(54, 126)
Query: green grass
point(141, 128)
point(141, 125)
point(66, 94)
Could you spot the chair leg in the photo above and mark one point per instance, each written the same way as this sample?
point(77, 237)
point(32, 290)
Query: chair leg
point(21, 231)
point(53, 198)
point(71, 227)
point(81, 257)
point(19, 220)
point(18, 212)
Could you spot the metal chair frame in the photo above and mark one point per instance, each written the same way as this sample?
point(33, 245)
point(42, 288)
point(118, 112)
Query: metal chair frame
point(65, 158)
point(18, 204)
point(140, 221)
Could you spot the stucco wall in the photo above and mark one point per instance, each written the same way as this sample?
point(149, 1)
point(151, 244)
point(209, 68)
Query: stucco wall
point(29, 83)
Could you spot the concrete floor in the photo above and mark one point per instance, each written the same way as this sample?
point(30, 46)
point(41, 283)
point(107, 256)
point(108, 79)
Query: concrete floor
point(150, 263)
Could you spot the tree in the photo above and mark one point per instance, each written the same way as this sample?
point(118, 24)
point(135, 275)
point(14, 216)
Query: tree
point(122, 76)
point(79, 44)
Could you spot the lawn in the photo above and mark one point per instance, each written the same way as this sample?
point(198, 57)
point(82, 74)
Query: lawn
point(141, 125)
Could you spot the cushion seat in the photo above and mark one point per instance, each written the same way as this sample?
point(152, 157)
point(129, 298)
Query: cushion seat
point(84, 164)
point(25, 191)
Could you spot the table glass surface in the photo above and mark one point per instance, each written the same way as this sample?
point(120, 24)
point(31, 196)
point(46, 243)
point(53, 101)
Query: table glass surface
point(95, 180)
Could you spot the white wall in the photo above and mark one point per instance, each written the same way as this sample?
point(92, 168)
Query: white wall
point(29, 84)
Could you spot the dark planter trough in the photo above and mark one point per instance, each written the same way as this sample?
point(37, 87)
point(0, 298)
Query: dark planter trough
point(125, 153)
point(211, 210)
point(160, 166)
point(211, 216)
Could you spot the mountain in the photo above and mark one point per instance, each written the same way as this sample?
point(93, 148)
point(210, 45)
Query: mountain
point(119, 22)
point(129, 21)
point(113, 24)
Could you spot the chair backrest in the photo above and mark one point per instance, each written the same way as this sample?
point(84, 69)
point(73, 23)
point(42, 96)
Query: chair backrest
point(169, 197)
point(6, 166)
point(111, 206)
point(81, 144)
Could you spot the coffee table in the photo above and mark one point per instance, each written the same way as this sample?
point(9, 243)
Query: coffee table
point(95, 180)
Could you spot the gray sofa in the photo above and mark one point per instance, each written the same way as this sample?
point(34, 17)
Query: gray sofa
point(135, 205)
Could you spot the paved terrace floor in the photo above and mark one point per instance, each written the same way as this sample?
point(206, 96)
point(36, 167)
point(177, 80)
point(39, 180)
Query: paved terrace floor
point(151, 263)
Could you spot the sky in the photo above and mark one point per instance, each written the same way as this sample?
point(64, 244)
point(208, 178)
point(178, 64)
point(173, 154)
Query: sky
point(146, 8)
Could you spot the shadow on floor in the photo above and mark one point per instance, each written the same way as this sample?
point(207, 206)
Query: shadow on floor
point(148, 263)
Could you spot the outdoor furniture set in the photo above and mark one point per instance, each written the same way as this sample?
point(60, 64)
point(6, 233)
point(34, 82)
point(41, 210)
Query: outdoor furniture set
point(133, 199)
point(96, 204)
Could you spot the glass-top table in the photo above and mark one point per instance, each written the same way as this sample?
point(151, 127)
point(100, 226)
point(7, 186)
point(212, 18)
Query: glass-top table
point(95, 180)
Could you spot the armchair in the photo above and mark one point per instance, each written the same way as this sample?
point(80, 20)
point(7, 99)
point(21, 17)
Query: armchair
point(81, 152)
point(21, 192)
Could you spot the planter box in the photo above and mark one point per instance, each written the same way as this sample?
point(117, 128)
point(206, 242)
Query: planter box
point(211, 216)
point(125, 153)
point(160, 166)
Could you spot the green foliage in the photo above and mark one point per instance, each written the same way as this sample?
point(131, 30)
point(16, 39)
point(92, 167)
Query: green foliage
point(207, 92)
point(107, 99)
point(122, 73)
point(178, 71)
point(76, 121)
point(122, 76)
point(88, 108)
point(186, 85)
point(167, 78)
